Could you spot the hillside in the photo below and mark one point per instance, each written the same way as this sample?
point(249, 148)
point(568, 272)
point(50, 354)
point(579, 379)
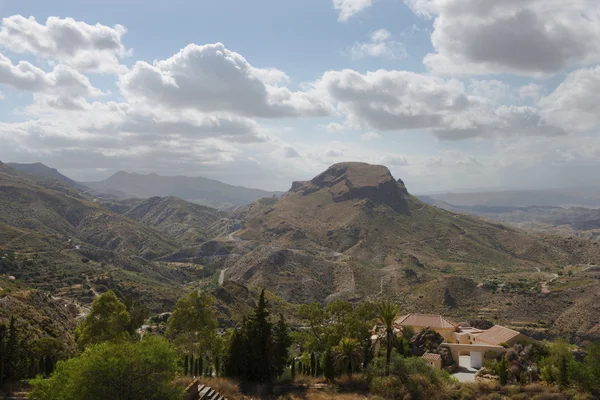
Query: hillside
point(208, 192)
point(64, 242)
point(180, 220)
point(354, 231)
point(40, 314)
point(41, 170)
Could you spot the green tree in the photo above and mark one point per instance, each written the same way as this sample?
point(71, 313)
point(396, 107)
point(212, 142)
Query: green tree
point(192, 323)
point(348, 355)
point(328, 365)
point(108, 320)
point(251, 351)
point(501, 369)
point(138, 313)
point(115, 370)
point(282, 342)
point(588, 374)
point(259, 355)
point(560, 364)
point(386, 313)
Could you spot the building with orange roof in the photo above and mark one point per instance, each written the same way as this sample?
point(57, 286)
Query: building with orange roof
point(438, 323)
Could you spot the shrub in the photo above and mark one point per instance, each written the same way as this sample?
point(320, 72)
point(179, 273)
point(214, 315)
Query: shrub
point(389, 387)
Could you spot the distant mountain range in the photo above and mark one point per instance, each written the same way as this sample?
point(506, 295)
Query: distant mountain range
point(124, 185)
point(204, 191)
point(41, 170)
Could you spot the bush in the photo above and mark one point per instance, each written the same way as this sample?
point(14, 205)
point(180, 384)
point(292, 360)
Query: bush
point(389, 387)
point(125, 370)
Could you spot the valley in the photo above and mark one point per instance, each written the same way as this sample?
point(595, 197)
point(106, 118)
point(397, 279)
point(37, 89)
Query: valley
point(353, 232)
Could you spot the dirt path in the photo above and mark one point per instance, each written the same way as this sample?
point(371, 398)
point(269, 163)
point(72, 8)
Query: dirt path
point(545, 287)
point(222, 276)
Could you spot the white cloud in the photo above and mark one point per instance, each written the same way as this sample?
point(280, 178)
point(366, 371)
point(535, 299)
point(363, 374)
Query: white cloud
point(94, 48)
point(399, 161)
point(380, 35)
point(62, 81)
point(211, 78)
point(349, 8)
point(527, 37)
point(531, 90)
point(402, 100)
point(575, 104)
point(380, 45)
point(370, 136)
point(334, 153)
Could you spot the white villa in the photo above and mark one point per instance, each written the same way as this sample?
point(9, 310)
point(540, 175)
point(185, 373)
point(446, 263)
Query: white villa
point(473, 342)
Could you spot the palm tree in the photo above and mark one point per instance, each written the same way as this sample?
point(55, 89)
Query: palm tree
point(348, 355)
point(386, 313)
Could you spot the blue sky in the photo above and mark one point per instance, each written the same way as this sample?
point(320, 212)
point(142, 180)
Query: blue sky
point(448, 94)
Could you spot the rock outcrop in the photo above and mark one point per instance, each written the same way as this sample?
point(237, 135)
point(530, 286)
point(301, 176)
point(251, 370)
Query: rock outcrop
point(358, 181)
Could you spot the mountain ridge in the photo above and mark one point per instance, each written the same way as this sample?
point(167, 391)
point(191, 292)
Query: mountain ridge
point(200, 190)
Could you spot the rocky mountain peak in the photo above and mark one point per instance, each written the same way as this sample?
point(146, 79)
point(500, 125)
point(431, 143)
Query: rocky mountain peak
point(354, 181)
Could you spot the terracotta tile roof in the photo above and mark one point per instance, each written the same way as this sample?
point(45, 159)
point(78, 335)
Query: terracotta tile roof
point(431, 356)
point(425, 321)
point(497, 334)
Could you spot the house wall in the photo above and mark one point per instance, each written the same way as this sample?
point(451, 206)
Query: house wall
point(446, 333)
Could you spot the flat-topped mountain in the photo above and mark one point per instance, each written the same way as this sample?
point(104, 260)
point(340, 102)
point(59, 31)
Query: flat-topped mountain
point(354, 231)
point(355, 181)
point(199, 190)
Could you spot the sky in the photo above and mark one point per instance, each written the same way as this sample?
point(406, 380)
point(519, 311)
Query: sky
point(448, 94)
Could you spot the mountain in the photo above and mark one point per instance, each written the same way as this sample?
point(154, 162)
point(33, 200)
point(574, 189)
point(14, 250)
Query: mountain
point(354, 231)
point(41, 170)
point(199, 190)
point(584, 197)
point(180, 220)
point(63, 242)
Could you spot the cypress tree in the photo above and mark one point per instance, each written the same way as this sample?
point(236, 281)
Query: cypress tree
point(11, 352)
point(192, 366)
point(282, 340)
point(185, 365)
point(217, 365)
point(259, 358)
point(328, 367)
point(199, 366)
point(3, 333)
point(313, 364)
point(293, 372)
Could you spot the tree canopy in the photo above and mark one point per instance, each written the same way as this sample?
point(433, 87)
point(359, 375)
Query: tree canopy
point(121, 370)
point(108, 320)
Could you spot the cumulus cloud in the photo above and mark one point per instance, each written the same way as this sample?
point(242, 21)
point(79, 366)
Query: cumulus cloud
point(402, 100)
point(211, 78)
point(527, 37)
point(94, 48)
point(349, 8)
point(61, 81)
point(380, 45)
point(575, 104)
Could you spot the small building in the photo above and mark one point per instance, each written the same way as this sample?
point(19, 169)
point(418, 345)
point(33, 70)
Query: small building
point(499, 336)
point(438, 323)
point(435, 360)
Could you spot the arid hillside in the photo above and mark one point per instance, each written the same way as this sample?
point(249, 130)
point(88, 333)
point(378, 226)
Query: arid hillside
point(354, 231)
